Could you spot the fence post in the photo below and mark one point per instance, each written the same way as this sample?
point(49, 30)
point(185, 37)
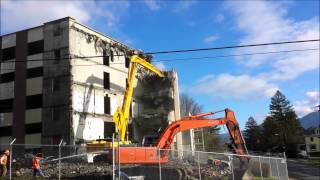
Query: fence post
point(260, 167)
point(59, 176)
point(119, 172)
point(285, 162)
point(232, 168)
point(199, 165)
point(10, 159)
point(113, 164)
point(270, 165)
point(159, 153)
point(277, 168)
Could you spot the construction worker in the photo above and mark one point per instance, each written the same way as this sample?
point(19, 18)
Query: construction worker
point(37, 165)
point(4, 162)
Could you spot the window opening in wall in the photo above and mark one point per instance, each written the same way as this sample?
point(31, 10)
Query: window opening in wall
point(109, 129)
point(35, 72)
point(126, 83)
point(6, 105)
point(311, 139)
point(111, 55)
point(107, 105)
point(313, 147)
point(6, 131)
point(33, 128)
point(55, 113)
point(7, 77)
point(127, 62)
point(8, 53)
point(34, 101)
point(55, 84)
point(105, 58)
point(57, 56)
point(106, 80)
point(35, 47)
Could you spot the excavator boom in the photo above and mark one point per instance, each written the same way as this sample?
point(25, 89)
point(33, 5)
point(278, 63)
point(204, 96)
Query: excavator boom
point(150, 155)
point(199, 121)
point(121, 116)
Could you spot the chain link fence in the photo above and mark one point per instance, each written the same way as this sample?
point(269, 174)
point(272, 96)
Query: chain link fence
point(80, 162)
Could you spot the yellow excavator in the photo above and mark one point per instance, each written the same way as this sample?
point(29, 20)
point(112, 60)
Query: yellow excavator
point(121, 116)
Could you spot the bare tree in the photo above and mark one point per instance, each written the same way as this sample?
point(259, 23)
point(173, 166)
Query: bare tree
point(188, 106)
point(208, 136)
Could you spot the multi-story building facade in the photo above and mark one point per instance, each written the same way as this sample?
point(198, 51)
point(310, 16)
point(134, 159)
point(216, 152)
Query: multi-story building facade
point(62, 80)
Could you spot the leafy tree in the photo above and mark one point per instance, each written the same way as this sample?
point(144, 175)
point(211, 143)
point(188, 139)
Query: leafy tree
point(252, 134)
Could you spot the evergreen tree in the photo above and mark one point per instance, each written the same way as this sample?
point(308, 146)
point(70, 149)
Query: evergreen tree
point(270, 134)
point(252, 134)
point(283, 117)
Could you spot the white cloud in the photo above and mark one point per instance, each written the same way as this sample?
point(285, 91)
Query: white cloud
point(210, 39)
point(17, 15)
point(219, 18)
point(234, 87)
point(308, 105)
point(153, 5)
point(160, 65)
point(266, 21)
point(184, 5)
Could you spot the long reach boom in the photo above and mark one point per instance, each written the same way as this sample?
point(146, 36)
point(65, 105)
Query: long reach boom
point(121, 116)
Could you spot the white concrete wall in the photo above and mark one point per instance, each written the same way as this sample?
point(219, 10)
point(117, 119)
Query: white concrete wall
point(34, 86)
point(33, 116)
point(7, 66)
point(8, 41)
point(89, 129)
point(32, 60)
point(35, 34)
point(6, 119)
point(5, 140)
point(7, 90)
point(93, 74)
point(32, 138)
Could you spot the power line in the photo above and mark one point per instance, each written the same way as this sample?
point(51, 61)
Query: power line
point(174, 51)
point(232, 47)
point(193, 58)
point(236, 55)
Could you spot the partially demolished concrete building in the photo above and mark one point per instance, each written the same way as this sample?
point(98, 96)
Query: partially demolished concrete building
point(65, 80)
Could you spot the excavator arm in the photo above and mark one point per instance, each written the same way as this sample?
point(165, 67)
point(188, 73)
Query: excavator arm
point(151, 155)
point(199, 121)
point(121, 115)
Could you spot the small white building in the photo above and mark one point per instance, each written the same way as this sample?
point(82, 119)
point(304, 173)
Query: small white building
point(312, 142)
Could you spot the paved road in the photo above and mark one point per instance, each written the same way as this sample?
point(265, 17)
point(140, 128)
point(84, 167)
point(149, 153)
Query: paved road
point(299, 169)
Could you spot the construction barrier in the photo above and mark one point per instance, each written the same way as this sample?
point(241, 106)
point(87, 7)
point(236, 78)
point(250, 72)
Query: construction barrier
point(79, 162)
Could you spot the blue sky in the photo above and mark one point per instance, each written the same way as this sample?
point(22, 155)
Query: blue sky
point(244, 84)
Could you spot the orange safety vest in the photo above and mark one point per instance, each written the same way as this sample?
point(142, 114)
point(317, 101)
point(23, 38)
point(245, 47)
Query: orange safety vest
point(4, 159)
point(36, 163)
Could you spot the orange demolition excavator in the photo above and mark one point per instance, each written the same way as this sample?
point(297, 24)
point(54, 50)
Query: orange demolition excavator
point(151, 155)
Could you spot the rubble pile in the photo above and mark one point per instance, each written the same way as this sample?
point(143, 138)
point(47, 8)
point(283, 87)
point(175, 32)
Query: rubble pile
point(68, 171)
point(175, 169)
